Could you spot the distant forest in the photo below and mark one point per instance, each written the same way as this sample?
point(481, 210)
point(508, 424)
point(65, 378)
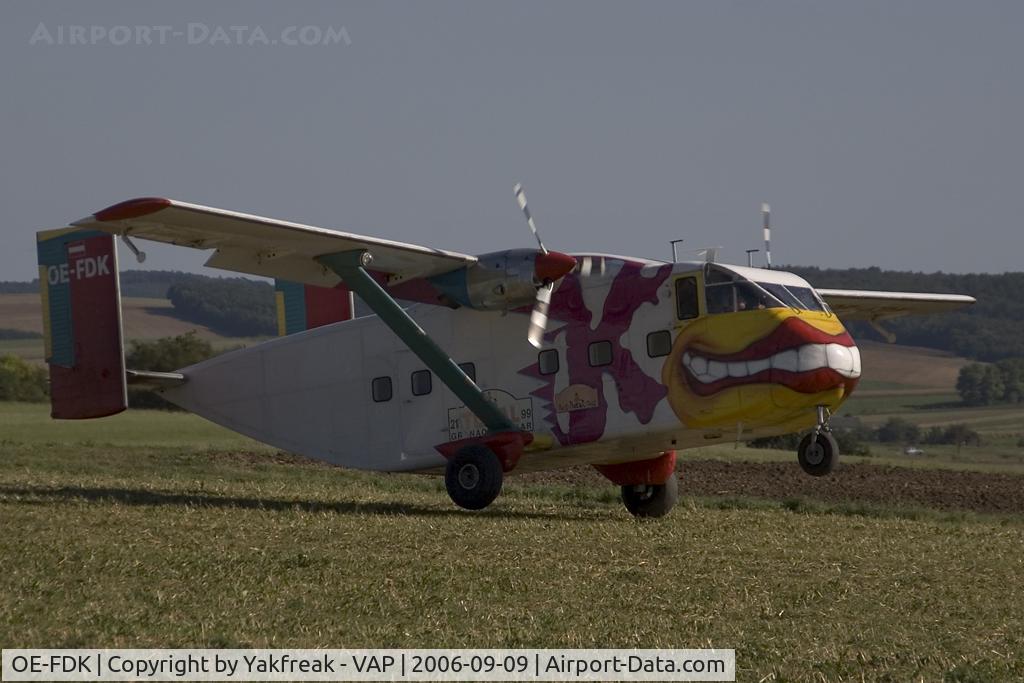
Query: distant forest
point(231, 306)
point(991, 330)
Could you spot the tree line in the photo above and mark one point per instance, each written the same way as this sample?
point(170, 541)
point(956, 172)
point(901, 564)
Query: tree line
point(166, 354)
point(982, 384)
point(990, 330)
point(234, 307)
point(231, 306)
point(854, 437)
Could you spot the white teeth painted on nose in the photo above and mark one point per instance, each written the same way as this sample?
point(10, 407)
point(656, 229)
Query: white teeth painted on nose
point(843, 359)
point(811, 357)
point(786, 360)
point(840, 358)
point(756, 366)
point(717, 370)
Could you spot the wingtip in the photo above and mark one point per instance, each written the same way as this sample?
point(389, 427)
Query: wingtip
point(133, 208)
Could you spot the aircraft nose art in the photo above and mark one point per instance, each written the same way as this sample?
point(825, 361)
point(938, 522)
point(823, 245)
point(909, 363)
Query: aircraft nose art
point(796, 355)
point(811, 358)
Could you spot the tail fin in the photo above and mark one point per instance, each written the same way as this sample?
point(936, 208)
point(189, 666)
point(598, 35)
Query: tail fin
point(82, 322)
point(303, 307)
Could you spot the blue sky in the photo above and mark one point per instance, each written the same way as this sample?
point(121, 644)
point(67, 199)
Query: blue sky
point(882, 133)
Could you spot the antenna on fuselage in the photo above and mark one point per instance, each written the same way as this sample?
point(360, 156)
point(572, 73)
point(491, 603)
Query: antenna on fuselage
point(766, 217)
point(675, 256)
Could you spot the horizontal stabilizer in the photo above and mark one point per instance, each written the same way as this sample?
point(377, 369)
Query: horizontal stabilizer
point(154, 380)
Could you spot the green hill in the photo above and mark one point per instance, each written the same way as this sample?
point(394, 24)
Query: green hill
point(990, 330)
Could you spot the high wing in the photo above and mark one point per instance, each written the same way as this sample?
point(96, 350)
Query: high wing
point(265, 246)
point(861, 304)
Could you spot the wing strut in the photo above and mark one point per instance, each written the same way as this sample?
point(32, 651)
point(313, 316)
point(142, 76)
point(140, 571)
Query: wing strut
point(351, 267)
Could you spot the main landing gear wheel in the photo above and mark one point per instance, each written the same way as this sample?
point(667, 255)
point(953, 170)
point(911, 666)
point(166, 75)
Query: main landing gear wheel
point(651, 500)
point(818, 453)
point(473, 477)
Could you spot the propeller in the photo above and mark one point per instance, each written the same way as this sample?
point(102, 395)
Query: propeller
point(549, 266)
point(539, 316)
point(521, 198)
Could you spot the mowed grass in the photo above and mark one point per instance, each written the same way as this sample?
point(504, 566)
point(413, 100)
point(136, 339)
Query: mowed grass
point(113, 538)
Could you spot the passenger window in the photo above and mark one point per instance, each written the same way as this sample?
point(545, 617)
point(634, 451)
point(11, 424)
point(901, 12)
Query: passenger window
point(659, 343)
point(421, 383)
point(547, 360)
point(380, 388)
point(600, 353)
point(469, 369)
point(686, 298)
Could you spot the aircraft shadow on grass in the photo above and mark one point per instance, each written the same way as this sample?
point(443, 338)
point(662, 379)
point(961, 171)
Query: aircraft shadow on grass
point(42, 495)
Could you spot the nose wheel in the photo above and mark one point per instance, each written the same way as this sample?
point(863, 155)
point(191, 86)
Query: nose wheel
point(818, 451)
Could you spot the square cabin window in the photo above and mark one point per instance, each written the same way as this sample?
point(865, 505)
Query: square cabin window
point(687, 307)
point(659, 343)
point(547, 360)
point(380, 387)
point(421, 383)
point(469, 369)
point(599, 353)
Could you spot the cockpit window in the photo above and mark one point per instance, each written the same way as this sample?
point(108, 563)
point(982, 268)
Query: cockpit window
point(738, 296)
point(727, 292)
point(808, 298)
point(714, 275)
point(802, 298)
point(783, 294)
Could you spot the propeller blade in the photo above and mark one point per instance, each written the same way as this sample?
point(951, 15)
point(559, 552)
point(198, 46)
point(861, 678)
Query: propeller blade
point(521, 198)
point(539, 316)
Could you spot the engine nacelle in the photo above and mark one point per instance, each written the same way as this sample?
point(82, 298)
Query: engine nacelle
point(504, 279)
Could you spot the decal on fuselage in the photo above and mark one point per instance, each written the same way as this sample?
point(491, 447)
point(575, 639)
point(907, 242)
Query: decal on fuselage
point(463, 424)
point(576, 397)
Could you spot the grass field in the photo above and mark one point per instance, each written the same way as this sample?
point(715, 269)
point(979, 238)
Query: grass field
point(157, 529)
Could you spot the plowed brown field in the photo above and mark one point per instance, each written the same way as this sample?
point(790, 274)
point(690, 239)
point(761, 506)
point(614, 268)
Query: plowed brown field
point(938, 489)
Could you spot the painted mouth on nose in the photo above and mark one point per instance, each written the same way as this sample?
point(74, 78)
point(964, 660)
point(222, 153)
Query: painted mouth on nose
point(796, 355)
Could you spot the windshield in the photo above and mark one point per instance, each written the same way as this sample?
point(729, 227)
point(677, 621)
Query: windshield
point(726, 293)
point(803, 298)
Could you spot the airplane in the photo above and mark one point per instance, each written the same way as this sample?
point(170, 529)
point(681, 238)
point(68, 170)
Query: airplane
point(476, 367)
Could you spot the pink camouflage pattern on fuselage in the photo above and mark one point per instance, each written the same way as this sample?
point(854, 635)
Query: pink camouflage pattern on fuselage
point(638, 393)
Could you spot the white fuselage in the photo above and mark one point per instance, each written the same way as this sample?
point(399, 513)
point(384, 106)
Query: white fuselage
point(604, 400)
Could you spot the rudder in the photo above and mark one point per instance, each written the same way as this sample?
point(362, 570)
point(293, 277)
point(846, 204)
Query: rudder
point(81, 299)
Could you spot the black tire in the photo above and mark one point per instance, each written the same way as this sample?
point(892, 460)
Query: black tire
point(651, 500)
point(473, 477)
point(819, 458)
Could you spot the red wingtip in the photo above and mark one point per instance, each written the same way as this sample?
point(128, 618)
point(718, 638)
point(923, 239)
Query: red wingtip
point(133, 208)
point(552, 265)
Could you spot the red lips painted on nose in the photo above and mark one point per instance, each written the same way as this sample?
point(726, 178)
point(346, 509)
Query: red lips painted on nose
point(552, 265)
